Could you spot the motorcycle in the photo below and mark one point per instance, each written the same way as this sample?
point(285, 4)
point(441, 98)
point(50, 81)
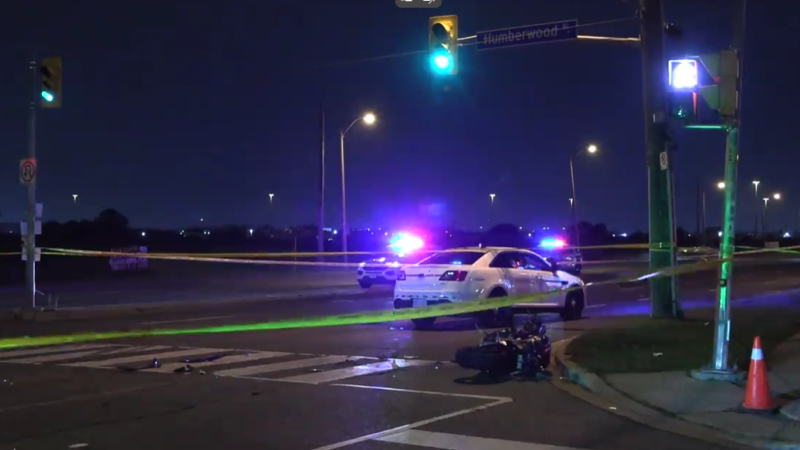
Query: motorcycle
point(525, 352)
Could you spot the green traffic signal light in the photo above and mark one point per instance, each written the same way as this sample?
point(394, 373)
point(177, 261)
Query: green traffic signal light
point(48, 97)
point(441, 61)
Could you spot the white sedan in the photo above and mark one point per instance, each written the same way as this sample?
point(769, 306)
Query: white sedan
point(466, 274)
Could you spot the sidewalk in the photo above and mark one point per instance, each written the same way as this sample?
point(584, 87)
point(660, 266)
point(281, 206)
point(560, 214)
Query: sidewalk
point(713, 406)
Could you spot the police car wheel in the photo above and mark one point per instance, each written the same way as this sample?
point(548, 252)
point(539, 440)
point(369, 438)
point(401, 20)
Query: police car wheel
point(364, 284)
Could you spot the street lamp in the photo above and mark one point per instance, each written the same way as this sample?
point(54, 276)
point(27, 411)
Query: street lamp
point(369, 119)
point(721, 185)
point(491, 197)
point(574, 200)
point(776, 196)
point(74, 198)
point(755, 185)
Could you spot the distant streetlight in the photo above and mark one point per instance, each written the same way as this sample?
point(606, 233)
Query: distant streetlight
point(755, 185)
point(74, 198)
point(270, 198)
point(202, 220)
point(369, 119)
point(721, 185)
point(776, 196)
point(491, 198)
point(573, 202)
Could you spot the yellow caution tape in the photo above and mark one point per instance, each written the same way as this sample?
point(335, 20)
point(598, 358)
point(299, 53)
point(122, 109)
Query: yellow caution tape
point(447, 309)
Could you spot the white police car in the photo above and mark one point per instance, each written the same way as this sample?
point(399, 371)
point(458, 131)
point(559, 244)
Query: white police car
point(377, 271)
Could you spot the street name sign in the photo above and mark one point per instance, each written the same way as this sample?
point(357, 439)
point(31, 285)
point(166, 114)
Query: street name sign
point(528, 34)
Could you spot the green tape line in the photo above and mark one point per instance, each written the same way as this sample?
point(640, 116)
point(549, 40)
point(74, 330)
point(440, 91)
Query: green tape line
point(447, 309)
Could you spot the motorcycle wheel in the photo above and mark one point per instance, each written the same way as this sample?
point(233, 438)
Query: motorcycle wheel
point(494, 358)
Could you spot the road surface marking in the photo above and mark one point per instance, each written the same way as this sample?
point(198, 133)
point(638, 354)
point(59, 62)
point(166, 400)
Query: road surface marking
point(374, 436)
point(229, 359)
point(51, 358)
point(135, 349)
point(596, 306)
point(60, 348)
point(279, 367)
point(357, 371)
point(414, 391)
point(197, 319)
point(148, 357)
point(447, 441)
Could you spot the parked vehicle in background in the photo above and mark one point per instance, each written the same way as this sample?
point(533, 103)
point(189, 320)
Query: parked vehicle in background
point(569, 259)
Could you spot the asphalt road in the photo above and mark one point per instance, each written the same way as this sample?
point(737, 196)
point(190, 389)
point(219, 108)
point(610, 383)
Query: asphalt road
point(379, 387)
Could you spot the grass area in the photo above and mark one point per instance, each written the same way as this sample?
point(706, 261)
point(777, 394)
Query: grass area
point(683, 345)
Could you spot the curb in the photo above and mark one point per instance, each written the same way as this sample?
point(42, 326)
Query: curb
point(592, 389)
point(131, 309)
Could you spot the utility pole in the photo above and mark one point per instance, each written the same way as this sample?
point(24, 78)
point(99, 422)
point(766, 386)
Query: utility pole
point(321, 231)
point(344, 197)
point(663, 303)
point(30, 238)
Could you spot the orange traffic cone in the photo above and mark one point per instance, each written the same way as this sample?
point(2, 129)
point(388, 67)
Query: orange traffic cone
point(756, 395)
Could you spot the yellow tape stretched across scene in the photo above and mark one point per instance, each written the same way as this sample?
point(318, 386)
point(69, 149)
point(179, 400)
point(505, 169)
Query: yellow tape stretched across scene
point(313, 254)
point(448, 309)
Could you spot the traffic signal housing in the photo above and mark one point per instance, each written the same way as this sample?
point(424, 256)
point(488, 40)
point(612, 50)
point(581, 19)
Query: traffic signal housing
point(443, 44)
point(51, 89)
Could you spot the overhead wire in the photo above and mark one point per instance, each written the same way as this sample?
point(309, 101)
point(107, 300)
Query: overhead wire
point(473, 37)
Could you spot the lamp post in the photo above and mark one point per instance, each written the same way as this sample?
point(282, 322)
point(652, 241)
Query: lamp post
point(755, 186)
point(574, 200)
point(368, 119)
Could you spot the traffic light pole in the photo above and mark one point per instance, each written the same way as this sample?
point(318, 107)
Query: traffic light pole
point(30, 237)
point(663, 302)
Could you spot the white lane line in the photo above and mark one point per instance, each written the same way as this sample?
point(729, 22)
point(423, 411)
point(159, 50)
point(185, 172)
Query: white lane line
point(596, 306)
point(374, 436)
point(415, 391)
point(357, 371)
point(148, 357)
point(196, 319)
point(135, 349)
point(279, 367)
point(447, 441)
point(230, 359)
point(54, 349)
point(51, 358)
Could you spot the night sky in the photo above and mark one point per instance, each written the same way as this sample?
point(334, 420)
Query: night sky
point(177, 110)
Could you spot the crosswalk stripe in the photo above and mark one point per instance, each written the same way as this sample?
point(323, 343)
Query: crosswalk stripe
point(230, 359)
point(137, 348)
point(357, 371)
point(279, 367)
point(147, 357)
point(51, 358)
point(447, 441)
point(53, 349)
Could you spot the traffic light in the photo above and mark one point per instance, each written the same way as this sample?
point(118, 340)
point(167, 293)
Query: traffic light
point(683, 105)
point(51, 92)
point(443, 44)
